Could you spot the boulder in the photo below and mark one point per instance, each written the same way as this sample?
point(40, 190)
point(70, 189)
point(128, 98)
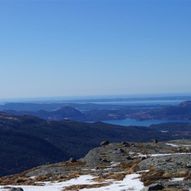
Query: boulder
point(103, 143)
point(125, 144)
point(104, 160)
point(155, 141)
point(157, 186)
point(72, 160)
point(129, 158)
point(188, 165)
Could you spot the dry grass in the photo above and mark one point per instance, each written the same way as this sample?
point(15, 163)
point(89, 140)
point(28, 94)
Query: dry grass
point(152, 176)
point(70, 170)
point(102, 166)
point(188, 176)
point(117, 176)
point(177, 174)
point(16, 180)
point(58, 178)
point(130, 167)
point(22, 180)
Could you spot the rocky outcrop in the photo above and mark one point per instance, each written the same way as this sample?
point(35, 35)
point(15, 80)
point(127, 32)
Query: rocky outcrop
point(159, 166)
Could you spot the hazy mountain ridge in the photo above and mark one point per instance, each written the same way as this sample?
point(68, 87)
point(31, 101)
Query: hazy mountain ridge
point(93, 112)
point(180, 112)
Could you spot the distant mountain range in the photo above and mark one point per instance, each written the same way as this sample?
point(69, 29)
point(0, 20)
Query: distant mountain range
point(179, 112)
point(95, 112)
point(28, 141)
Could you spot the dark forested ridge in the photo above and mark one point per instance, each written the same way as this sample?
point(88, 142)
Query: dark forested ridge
point(27, 141)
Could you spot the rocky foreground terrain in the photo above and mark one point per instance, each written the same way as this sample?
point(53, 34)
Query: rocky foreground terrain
point(115, 167)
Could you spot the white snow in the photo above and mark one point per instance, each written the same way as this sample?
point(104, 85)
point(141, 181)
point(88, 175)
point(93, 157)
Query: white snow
point(130, 182)
point(175, 145)
point(172, 145)
point(163, 154)
point(114, 164)
point(55, 186)
point(169, 154)
point(177, 179)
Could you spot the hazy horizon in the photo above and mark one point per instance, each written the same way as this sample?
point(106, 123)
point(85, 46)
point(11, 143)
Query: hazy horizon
point(98, 47)
point(130, 97)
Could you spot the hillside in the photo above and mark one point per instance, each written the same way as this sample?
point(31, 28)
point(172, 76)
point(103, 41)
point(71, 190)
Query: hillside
point(27, 141)
point(179, 112)
point(114, 167)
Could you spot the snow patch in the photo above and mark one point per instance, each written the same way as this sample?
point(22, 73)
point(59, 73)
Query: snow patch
point(162, 154)
point(177, 179)
point(175, 145)
point(130, 182)
point(169, 154)
point(55, 186)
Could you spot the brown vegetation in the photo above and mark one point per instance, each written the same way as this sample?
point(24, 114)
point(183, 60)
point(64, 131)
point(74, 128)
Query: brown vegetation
point(111, 176)
point(130, 167)
point(152, 176)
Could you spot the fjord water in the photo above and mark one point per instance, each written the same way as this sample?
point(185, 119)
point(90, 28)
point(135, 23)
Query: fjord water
point(147, 102)
point(145, 123)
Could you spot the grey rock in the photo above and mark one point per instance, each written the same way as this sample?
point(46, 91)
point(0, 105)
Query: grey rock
point(104, 160)
point(72, 160)
point(129, 158)
point(103, 143)
point(166, 163)
point(126, 144)
point(143, 158)
point(119, 151)
point(188, 165)
point(155, 187)
point(108, 157)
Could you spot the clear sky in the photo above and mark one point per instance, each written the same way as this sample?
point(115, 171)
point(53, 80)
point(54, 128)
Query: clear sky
point(94, 47)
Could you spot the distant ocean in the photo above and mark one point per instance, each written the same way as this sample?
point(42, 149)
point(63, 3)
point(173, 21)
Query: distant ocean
point(168, 100)
point(111, 100)
point(141, 102)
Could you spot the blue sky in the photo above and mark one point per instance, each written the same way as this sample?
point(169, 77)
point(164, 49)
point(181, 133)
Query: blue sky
point(94, 47)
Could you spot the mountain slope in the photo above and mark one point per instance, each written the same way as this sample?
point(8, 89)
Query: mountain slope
point(21, 151)
point(114, 167)
point(27, 141)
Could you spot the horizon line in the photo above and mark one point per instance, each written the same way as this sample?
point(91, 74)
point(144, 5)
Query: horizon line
point(93, 97)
